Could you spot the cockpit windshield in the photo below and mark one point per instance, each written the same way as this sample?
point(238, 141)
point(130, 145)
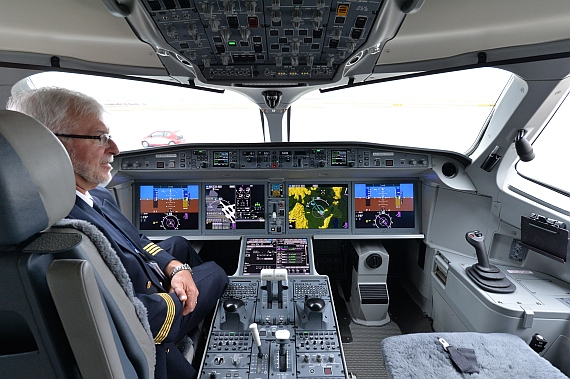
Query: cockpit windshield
point(443, 112)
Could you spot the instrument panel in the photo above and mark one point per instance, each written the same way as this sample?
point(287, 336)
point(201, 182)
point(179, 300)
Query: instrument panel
point(377, 207)
point(277, 158)
point(325, 190)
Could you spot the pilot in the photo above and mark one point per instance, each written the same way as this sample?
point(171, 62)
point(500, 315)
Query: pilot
point(178, 289)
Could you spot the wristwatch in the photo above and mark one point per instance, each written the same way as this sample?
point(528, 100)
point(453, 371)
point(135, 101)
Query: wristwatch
point(177, 269)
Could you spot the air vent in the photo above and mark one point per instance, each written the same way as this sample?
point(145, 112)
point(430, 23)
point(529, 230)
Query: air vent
point(373, 293)
point(449, 170)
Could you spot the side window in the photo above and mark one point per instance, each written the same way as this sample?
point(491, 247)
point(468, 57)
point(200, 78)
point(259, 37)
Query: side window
point(549, 167)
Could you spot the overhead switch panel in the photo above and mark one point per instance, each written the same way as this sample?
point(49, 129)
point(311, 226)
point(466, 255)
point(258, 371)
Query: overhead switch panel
point(292, 40)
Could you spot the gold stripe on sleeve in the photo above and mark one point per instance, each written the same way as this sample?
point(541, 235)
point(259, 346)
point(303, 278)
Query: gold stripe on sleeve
point(170, 311)
point(152, 248)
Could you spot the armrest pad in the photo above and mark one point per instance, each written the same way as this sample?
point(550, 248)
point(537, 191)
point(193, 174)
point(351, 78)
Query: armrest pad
point(84, 318)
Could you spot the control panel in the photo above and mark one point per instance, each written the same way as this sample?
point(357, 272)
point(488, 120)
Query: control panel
point(275, 189)
point(281, 328)
point(267, 158)
point(264, 39)
point(277, 208)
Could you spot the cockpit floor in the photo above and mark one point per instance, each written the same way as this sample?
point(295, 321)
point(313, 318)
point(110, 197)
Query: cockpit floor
point(361, 343)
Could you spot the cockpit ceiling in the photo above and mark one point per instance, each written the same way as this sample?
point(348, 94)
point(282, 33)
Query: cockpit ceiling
point(445, 28)
point(78, 29)
point(85, 31)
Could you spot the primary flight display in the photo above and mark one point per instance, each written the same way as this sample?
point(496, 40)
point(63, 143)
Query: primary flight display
point(168, 207)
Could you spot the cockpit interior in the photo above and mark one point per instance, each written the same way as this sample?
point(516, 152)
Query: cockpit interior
point(373, 176)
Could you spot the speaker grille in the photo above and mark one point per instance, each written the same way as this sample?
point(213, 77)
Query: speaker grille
point(373, 293)
point(449, 170)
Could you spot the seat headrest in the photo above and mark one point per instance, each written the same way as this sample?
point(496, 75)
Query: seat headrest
point(37, 184)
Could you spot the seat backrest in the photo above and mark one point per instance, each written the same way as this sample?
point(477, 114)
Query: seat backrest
point(37, 186)
point(48, 328)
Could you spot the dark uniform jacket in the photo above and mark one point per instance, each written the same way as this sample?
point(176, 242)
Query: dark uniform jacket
point(164, 309)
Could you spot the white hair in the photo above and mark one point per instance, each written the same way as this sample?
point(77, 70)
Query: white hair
point(58, 109)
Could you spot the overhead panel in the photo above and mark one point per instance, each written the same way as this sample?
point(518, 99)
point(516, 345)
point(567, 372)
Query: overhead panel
point(288, 40)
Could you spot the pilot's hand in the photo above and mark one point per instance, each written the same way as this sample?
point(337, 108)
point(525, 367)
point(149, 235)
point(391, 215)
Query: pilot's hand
point(183, 285)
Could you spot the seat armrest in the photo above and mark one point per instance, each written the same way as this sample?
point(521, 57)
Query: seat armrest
point(84, 318)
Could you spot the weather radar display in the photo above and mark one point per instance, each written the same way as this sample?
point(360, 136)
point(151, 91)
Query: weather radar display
point(318, 206)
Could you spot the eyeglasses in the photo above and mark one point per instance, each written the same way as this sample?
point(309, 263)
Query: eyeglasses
point(103, 138)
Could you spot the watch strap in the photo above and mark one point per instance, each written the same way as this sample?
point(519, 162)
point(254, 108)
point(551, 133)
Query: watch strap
point(177, 269)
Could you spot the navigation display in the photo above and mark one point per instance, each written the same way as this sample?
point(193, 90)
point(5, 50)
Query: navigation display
point(318, 206)
point(384, 206)
point(271, 253)
point(235, 206)
point(168, 207)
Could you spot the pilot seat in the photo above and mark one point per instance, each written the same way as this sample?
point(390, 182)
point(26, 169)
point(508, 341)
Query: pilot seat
point(63, 313)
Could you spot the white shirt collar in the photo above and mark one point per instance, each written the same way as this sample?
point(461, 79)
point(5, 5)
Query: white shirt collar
point(87, 197)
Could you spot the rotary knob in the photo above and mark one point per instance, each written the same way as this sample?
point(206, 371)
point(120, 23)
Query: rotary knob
point(374, 261)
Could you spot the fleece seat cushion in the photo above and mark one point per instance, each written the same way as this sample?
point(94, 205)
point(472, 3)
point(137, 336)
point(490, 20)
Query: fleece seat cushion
point(499, 355)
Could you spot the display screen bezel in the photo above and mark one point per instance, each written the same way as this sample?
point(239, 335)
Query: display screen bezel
point(415, 230)
point(316, 230)
point(244, 246)
point(262, 227)
point(167, 232)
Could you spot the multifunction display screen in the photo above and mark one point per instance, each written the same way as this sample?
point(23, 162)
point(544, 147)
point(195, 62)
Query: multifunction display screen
point(384, 205)
point(318, 206)
point(168, 207)
point(271, 253)
point(235, 206)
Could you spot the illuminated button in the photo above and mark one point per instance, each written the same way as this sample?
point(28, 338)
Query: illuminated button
point(342, 10)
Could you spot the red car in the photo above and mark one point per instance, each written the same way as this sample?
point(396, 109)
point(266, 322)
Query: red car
point(163, 138)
